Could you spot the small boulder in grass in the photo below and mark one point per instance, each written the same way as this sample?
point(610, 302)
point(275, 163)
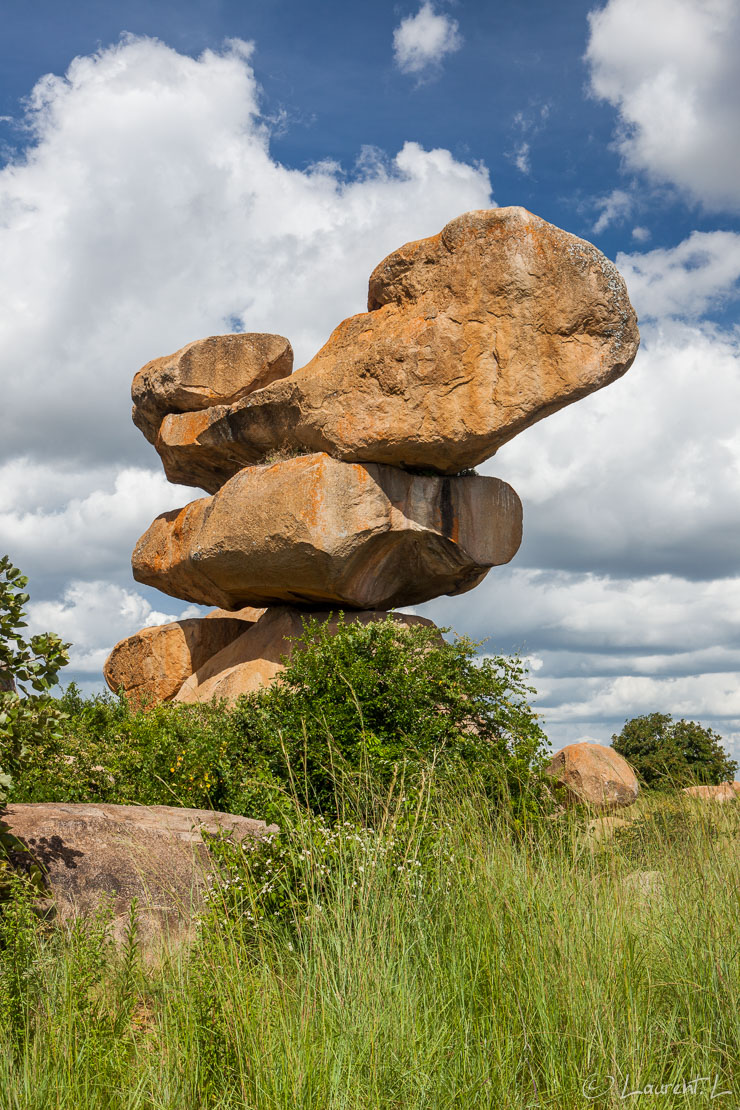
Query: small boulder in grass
point(594, 775)
point(81, 854)
point(715, 792)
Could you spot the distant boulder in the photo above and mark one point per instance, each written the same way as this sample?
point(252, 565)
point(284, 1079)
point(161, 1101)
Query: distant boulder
point(594, 775)
point(715, 792)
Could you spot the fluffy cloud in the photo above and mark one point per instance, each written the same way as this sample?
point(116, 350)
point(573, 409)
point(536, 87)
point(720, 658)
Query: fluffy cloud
point(697, 276)
point(603, 649)
point(670, 67)
point(148, 211)
point(613, 208)
point(93, 616)
point(643, 477)
point(421, 41)
point(583, 615)
point(62, 523)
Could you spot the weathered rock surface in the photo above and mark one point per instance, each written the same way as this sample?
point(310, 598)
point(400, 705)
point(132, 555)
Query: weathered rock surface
point(152, 665)
point(719, 792)
point(254, 660)
point(312, 530)
point(594, 775)
point(471, 336)
point(153, 853)
point(214, 371)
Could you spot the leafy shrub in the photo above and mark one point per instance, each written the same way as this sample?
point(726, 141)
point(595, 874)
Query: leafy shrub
point(369, 706)
point(667, 753)
point(28, 670)
point(181, 755)
point(361, 713)
point(287, 880)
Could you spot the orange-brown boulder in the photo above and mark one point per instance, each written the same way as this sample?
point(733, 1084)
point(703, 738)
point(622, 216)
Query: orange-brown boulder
point(214, 371)
point(594, 775)
point(151, 666)
point(256, 658)
point(313, 531)
point(88, 852)
point(715, 792)
point(470, 336)
point(248, 613)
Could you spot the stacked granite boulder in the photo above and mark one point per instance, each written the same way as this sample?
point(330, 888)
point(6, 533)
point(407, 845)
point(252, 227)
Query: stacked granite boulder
point(346, 486)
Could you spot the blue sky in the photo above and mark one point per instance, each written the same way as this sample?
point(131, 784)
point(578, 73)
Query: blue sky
point(519, 76)
point(189, 168)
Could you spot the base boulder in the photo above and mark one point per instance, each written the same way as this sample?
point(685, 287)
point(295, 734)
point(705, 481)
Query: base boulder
point(151, 666)
point(255, 659)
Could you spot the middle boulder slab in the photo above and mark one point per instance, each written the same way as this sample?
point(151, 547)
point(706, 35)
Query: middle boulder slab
point(312, 530)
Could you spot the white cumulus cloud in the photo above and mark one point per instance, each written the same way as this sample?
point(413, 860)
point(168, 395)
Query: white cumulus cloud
point(60, 523)
point(603, 649)
point(697, 276)
point(671, 69)
point(148, 211)
point(613, 208)
point(421, 41)
point(93, 616)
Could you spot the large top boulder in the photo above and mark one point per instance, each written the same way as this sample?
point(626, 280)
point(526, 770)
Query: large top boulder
point(214, 371)
point(470, 336)
point(315, 532)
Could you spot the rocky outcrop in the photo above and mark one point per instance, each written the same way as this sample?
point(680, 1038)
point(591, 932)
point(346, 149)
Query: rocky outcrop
point(715, 792)
point(151, 666)
point(215, 371)
point(347, 485)
point(594, 775)
point(155, 854)
point(313, 531)
point(256, 658)
point(471, 336)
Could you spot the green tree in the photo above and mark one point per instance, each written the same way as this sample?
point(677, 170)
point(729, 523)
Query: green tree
point(368, 705)
point(28, 670)
point(665, 752)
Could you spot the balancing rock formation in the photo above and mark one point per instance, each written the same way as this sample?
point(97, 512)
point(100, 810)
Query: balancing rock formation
point(343, 486)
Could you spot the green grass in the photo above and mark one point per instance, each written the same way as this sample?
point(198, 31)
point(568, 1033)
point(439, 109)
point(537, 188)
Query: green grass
point(498, 971)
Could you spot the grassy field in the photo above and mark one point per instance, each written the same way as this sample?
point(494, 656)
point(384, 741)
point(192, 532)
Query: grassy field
point(436, 962)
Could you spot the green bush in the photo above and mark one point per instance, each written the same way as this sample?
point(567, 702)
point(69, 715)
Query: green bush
point(369, 706)
point(360, 713)
point(668, 753)
point(28, 670)
point(180, 755)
